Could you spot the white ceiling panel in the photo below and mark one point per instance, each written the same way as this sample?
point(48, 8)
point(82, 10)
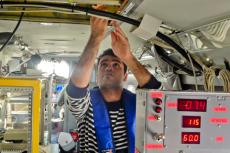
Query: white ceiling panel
point(185, 14)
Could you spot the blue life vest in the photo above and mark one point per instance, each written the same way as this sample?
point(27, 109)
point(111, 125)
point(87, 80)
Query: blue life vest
point(102, 121)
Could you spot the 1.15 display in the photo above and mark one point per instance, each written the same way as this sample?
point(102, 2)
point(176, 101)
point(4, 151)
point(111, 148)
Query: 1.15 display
point(191, 121)
point(193, 105)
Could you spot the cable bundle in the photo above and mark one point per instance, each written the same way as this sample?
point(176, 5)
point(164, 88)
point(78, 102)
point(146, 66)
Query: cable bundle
point(225, 77)
point(209, 78)
point(210, 74)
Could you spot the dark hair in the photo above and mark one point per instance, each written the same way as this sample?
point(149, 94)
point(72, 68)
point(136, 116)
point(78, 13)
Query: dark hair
point(110, 52)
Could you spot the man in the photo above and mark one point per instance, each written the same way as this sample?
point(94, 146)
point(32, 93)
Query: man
point(106, 115)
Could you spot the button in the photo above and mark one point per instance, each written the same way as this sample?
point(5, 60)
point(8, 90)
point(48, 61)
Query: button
point(158, 101)
point(158, 109)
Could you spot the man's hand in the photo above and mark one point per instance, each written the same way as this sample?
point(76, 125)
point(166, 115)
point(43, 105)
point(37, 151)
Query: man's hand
point(121, 48)
point(120, 43)
point(98, 28)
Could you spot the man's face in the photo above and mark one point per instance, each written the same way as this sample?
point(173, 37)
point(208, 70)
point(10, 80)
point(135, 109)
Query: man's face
point(110, 72)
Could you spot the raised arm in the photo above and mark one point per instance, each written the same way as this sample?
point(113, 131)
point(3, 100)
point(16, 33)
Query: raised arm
point(121, 48)
point(78, 98)
point(82, 72)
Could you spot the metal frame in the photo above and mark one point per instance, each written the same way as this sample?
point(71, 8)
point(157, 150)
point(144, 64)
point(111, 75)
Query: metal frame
point(36, 96)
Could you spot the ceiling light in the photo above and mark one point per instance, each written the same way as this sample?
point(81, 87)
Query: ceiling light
point(59, 68)
point(46, 24)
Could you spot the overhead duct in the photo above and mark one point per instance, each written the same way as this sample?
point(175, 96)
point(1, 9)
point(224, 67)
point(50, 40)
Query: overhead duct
point(208, 37)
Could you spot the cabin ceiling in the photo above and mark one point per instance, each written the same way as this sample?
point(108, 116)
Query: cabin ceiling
point(50, 32)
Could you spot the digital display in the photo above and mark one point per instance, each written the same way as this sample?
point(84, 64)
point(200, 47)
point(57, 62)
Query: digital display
point(193, 105)
point(190, 137)
point(191, 121)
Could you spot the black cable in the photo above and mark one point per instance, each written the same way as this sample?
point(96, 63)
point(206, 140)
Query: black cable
point(163, 54)
point(226, 63)
point(1, 4)
point(78, 8)
point(179, 49)
point(12, 34)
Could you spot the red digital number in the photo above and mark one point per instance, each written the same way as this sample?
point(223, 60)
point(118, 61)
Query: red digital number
point(190, 137)
point(194, 105)
point(191, 121)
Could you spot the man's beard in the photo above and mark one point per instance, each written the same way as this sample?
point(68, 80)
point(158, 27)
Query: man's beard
point(111, 86)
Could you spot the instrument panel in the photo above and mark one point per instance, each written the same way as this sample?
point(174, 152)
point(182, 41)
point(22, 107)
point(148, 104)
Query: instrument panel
point(182, 122)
